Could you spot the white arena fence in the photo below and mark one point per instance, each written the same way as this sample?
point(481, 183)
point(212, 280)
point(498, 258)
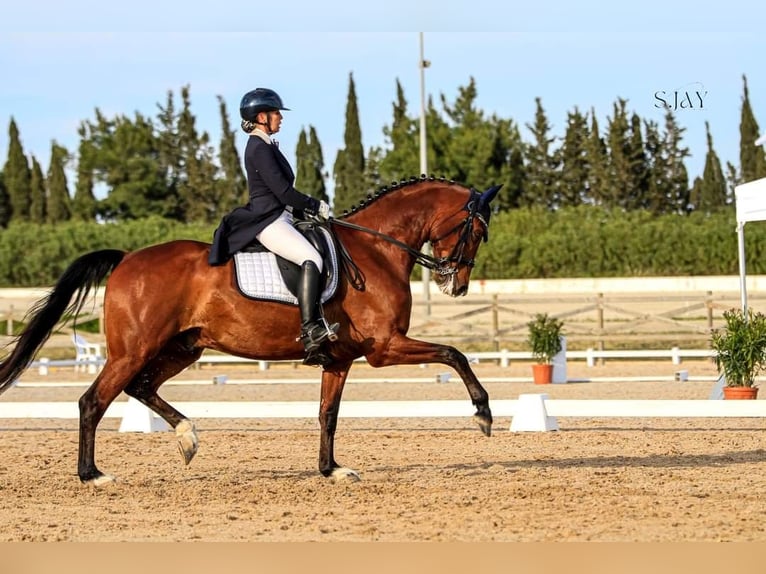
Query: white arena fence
point(542, 407)
point(503, 357)
point(653, 408)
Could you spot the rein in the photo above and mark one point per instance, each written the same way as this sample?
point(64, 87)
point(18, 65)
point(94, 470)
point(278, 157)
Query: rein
point(439, 265)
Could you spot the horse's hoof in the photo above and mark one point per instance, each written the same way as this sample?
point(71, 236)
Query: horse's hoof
point(101, 480)
point(344, 475)
point(188, 442)
point(484, 424)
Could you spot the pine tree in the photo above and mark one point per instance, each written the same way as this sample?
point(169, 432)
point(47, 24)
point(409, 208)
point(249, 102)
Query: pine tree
point(59, 208)
point(233, 184)
point(710, 194)
point(17, 176)
point(752, 160)
point(542, 164)
point(401, 159)
point(37, 205)
point(5, 204)
point(125, 157)
point(84, 202)
point(478, 148)
point(349, 168)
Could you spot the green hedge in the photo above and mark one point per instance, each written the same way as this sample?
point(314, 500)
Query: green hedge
point(524, 243)
point(36, 255)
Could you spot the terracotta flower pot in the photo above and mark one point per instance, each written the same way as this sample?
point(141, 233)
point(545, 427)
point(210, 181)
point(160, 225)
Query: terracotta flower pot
point(542, 374)
point(740, 393)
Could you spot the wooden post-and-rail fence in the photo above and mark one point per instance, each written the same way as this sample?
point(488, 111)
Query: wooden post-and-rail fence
point(497, 321)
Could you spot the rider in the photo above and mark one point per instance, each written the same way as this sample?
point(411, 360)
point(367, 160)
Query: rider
point(268, 215)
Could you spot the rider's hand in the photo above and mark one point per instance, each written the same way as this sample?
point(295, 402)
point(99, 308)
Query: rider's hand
point(324, 210)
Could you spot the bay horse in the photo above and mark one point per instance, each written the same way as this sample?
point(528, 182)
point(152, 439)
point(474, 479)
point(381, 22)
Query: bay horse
point(164, 304)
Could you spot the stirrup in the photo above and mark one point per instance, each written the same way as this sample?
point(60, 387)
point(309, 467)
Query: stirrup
point(316, 334)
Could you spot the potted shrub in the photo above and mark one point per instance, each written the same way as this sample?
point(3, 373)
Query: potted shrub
point(740, 348)
point(544, 340)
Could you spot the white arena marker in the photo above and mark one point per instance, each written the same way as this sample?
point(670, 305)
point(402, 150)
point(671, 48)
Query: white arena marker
point(138, 418)
point(531, 414)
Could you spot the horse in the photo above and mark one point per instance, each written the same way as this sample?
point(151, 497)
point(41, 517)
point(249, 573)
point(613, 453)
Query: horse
point(164, 304)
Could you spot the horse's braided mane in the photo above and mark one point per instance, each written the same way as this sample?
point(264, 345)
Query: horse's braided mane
point(386, 189)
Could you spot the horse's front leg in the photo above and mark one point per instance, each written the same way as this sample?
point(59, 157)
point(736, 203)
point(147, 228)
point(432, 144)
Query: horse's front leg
point(333, 380)
point(402, 350)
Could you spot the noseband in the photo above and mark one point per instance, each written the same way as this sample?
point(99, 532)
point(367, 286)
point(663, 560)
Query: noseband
point(439, 265)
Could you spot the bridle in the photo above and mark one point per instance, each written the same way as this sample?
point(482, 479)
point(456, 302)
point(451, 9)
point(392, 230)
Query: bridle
point(439, 265)
point(465, 227)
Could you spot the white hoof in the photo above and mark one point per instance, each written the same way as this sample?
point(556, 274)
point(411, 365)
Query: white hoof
point(188, 442)
point(344, 475)
point(102, 480)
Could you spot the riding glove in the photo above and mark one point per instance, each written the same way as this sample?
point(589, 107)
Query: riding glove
point(324, 210)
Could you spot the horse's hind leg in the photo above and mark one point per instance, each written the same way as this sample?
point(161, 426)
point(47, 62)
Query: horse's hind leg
point(93, 404)
point(174, 358)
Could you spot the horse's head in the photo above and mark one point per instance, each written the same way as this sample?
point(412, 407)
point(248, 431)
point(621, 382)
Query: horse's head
point(456, 239)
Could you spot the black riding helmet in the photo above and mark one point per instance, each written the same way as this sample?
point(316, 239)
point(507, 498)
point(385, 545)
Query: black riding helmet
point(259, 100)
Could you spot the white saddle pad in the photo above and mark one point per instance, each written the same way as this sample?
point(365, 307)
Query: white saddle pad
point(258, 276)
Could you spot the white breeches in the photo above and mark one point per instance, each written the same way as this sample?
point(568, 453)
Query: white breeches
point(282, 238)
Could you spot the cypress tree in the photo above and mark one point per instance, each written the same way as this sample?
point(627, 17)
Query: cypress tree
point(59, 208)
point(621, 189)
point(510, 196)
point(752, 160)
point(303, 169)
point(310, 169)
point(169, 152)
point(349, 168)
point(657, 184)
point(638, 165)
point(37, 205)
point(710, 194)
point(317, 157)
point(196, 182)
point(17, 176)
point(5, 204)
point(597, 161)
point(84, 202)
point(678, 177)
point(574, 167)
point(233, 185)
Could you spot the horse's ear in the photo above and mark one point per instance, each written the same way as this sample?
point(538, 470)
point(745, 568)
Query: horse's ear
point(488, 196)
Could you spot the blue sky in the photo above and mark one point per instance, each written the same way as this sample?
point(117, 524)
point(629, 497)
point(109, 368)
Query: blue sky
point(60, 62)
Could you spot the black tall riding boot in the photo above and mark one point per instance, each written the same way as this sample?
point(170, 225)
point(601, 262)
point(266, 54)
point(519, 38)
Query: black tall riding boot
point(314, 330)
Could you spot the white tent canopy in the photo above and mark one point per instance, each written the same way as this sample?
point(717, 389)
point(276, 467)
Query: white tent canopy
point(751, 206)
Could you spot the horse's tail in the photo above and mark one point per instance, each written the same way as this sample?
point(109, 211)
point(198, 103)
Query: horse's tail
point(84, 274)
